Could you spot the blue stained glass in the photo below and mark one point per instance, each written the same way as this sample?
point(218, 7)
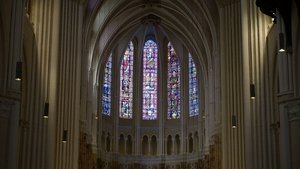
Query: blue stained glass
point(173, 84)
point(106, 90)
point(193, 89)
point(126, 83)
point(150, 80)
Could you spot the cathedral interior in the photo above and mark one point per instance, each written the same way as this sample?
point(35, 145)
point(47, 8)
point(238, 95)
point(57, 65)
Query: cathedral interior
point(149, 84)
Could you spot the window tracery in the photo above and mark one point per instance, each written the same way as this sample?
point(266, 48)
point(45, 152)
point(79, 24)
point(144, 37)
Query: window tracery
point(106, 89)
point(173, 84)
point(126, 83)
point(150, 56)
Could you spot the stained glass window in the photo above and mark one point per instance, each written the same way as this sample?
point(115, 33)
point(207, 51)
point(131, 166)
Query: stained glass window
point(106, 90)
point(150, 80)
point(193, 89)
point(173, 84)
point(126, 83)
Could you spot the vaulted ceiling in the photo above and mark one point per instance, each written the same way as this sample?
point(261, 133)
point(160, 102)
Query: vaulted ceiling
point(194, 22)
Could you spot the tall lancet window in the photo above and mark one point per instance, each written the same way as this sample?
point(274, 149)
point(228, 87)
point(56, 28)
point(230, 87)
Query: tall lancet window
point(193, 89)
point(173, 84)
point(150, 80)
point(106, 90)
point(126, 83)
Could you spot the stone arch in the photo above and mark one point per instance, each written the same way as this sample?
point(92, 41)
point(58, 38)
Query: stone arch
point(153, 150)
point(121, 144)
point(108, 143)
point(129, 144)
point(196, 138)
point(126, 26)
point(103, 141)
point(191, 143)
point(177, 144)
point(169, 145)
point(145, 145)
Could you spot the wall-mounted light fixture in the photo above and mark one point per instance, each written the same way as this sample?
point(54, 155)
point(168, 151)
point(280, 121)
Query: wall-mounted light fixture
point(65, 136)
point(281, 42)
point(233, 121)
point(18, 71)
point(46, 110)
point(252, 91)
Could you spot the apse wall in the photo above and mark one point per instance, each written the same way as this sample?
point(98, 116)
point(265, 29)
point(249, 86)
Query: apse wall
point(163, 141)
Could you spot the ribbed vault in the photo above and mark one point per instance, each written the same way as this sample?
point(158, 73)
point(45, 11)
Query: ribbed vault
point(190, 21)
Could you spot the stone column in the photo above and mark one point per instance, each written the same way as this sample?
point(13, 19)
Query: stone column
point(289, 134)
point(257, 115)
point(12, 28)
point(293, 110)
point(149, 145)
point(285, 160)
point(115, 97)
point(184, 94)
point(162, 94)
point(232, 86)
point(9, 116)
point(289, 115)
point(68, 80)
point(53, 85)
point(246, 87)
point(137, 94)
point(173, 146)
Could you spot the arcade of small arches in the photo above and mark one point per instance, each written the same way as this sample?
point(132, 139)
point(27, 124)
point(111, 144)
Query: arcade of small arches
point(149, 144)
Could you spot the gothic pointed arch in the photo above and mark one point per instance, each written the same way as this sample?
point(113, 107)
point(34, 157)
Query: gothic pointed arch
point(150, 65)
point(193, 89)
point(106, 89)
point(174, 102)
point(126, 83)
